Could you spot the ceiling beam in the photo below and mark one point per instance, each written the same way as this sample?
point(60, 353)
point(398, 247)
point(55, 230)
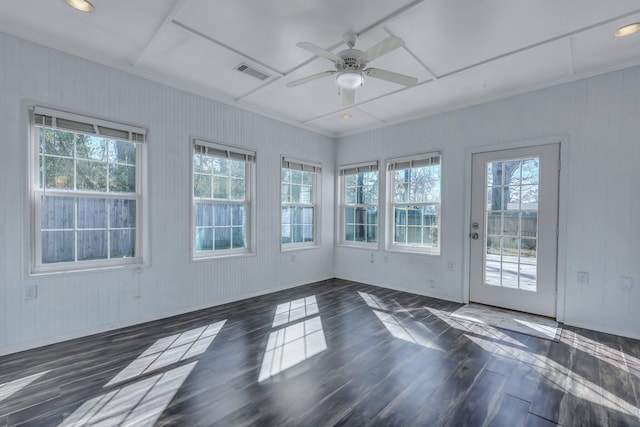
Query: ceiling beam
point(227, 47)
point(175, 9)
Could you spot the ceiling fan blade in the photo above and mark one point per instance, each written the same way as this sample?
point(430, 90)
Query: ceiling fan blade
point(348, 97)
point(317, 50)
point(385, 46)
point(390, 76)
point(310, 78)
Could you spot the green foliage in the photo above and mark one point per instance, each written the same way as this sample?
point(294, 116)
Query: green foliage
point(75, 161)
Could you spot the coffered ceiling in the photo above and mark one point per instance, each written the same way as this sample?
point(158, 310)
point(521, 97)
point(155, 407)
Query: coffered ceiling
point(463, 52)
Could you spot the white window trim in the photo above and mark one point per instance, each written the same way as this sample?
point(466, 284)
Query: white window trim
point(235, 153)
point(305, 166)
point(405, 162)
point(136, 135)
point(343, 171)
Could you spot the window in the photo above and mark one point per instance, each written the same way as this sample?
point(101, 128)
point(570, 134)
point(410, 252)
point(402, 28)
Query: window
point(415, 203)
point(359, 204)
point(87, 192)
point(299, 184)
point(221, 207)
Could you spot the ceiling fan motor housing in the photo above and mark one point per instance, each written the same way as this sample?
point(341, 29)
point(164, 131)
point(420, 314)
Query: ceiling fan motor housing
point(350, 60)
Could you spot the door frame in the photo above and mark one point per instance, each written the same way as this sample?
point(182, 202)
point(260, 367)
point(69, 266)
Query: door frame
point(561, 271)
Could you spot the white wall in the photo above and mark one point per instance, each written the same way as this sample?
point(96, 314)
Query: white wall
point(600, 230)
point(70, 305)
point(600, 193)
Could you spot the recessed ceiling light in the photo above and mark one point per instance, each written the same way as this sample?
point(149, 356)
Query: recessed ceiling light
point(345, 116)
point(627, 30)
point(81, 5)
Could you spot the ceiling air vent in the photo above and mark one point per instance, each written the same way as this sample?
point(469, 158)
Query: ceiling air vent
point(244, 68)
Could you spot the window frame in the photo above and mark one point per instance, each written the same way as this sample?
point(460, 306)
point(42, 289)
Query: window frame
point(316, 170)
point(343, 172)
point(402, 163)
point(79, 124)
point(231, 153)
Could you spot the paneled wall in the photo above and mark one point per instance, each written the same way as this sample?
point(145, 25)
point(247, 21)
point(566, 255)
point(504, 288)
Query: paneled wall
point(70, 305)
point(598, 119)
point(600, 231)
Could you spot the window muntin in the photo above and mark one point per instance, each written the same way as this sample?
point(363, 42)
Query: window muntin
point(299, 183)
point(415, 204)
point(86, 193)
point(221, 199)
point(359, 212)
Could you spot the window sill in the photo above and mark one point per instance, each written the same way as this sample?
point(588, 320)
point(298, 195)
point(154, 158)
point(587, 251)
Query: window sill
point(215, 257)
point(292, 247)
point(75, 269)
point(365, 246)
point(414, 251)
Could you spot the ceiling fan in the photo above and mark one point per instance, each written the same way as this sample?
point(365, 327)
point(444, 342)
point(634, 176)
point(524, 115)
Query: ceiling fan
point(351, 66)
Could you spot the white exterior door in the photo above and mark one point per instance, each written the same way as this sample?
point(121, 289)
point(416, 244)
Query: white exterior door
point(514, 226)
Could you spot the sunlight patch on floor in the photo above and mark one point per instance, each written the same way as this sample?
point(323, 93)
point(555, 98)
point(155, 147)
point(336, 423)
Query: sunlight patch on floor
point(11, 387)
point(169, 350)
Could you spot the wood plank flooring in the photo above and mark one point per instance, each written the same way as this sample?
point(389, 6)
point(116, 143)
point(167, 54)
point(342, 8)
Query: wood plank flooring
point(332, 353)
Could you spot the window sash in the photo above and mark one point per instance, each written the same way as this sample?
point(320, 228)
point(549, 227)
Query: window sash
point(292, 226)
point(343, 172)
point(248, 157)
point(300, 166)
point(215, 229)
point(412, 162)
point(102, 255)
point(76, 161)
point(345, 224)
point(110, 260)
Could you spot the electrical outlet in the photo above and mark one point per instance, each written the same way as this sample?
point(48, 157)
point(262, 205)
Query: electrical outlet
point(30, 292)
point(372, 259)
point(450, 265)
point(386, 259)
point(293, 258)
point(583, 278)
point(626, 282)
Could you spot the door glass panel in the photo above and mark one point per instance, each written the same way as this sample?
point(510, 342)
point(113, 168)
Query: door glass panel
point(530, 197)
point(494, 199)
point(529, 224)
point(512, 224)
point(509, 273)
point(492, 261)
point(494, 223)
point(512, 197)
point(494, 173)
point(530, 169)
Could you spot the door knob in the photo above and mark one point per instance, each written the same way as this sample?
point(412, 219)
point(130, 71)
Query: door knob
point(474, 236)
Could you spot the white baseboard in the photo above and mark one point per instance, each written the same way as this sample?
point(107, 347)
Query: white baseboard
point(431, 293)
point(157, 316)
point(605, 329)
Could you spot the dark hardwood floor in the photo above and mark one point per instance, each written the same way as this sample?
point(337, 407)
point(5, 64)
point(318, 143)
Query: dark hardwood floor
point(329, 353)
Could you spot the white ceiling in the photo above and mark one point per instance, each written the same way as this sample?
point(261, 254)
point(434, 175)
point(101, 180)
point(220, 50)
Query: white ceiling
point(463, 52)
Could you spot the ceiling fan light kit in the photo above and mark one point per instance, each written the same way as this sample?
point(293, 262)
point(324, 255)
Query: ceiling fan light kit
point(350, 79)
point(351, 65)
